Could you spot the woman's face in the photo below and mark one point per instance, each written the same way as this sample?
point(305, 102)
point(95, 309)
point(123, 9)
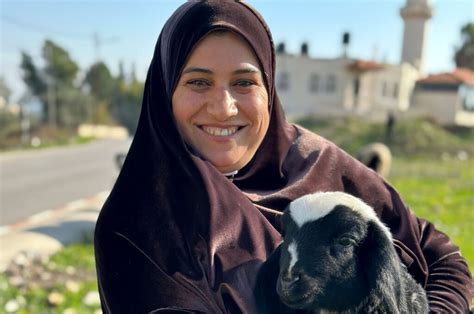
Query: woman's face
point(220, 103)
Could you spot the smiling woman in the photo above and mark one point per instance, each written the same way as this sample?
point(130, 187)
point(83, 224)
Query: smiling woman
point(221, 103)
point(177, 233)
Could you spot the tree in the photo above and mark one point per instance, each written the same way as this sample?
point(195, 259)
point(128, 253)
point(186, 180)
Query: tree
point(32, 76)
point(53, 85)
point(60, 68)
point(100, 82)
point(464, 56)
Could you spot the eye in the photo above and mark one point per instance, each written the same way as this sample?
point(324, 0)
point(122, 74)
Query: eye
point(198, 83)
point(345, 241)
point(244, 83)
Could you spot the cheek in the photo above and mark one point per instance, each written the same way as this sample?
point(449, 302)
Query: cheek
point(257, 112)
point(184, 108)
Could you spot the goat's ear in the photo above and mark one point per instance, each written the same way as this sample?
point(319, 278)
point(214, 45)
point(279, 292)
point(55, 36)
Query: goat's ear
point(380, 263)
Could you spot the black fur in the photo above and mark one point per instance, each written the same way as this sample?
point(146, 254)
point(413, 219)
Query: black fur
point(345, 265)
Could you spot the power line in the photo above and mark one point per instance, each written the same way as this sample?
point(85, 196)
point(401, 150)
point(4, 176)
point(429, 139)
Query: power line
point(97, 40)
point(40, 28)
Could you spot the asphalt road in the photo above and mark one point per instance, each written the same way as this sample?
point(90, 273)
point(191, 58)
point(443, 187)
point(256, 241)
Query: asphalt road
point(35, 181)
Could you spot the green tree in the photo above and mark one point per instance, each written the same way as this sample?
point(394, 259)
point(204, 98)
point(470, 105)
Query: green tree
point(32, 76)
point(127, 102)
point(60, 68)
point(100, 82)
point(464, 56)
point(64, 105)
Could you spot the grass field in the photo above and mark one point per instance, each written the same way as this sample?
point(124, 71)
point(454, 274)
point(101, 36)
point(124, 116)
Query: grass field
point(441, 191)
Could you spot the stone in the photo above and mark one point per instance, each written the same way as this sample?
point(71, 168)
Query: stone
point(91, 298)
point(55, 298)
point(70, 270)
point(72, 286)
point(12, 306)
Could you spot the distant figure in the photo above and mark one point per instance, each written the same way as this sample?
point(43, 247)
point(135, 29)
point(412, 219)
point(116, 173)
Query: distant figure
point(390, 127)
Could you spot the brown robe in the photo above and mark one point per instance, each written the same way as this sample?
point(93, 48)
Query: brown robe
point(175, 235)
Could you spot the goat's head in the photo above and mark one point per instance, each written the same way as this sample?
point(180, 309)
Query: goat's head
point(321, 263)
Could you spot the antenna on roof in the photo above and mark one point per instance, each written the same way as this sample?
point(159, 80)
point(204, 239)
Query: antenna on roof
point(346, 38)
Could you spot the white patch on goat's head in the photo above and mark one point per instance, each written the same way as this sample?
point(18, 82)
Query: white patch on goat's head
point(312, 207)
point(292, 249)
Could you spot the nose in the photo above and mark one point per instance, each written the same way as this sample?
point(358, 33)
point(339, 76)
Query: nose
point(289, 279)
point(222, 106)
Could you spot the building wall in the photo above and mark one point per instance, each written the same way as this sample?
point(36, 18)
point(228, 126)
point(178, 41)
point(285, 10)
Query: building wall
point(438, 105)
point(379, 91)
point(299, 98)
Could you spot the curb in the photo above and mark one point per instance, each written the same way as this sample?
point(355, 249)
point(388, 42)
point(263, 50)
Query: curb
point(47, 232)
point(39, 218)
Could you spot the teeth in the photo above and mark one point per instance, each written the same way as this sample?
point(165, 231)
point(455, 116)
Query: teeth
point(220, 131)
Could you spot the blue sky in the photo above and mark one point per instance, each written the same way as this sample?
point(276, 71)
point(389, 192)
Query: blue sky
point(129, 29)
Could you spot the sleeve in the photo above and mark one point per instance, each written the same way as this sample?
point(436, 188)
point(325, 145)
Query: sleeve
point(131, 282)
point(449, 282)
point(431, 258)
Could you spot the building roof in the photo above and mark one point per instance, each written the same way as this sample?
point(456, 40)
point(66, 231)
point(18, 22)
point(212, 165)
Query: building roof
point(457, 77)
point(363, 66)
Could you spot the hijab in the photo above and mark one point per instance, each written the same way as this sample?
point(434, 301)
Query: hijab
point(175, 233)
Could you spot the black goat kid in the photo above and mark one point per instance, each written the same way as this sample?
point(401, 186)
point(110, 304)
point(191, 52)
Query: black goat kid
point(336, 257)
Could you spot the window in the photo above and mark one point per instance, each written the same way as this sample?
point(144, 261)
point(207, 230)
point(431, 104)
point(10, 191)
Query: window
point(395, 90)
point(467, 97)
point(314, 83)
point(283, 81)
point(331, 83)
point(384, 89)
point(356, 86)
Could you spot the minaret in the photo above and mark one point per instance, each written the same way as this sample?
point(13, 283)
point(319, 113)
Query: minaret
point(415, 14)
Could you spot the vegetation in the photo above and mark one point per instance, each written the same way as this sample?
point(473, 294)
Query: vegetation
point(65, 99)
point(63, 283)
point(464, 56)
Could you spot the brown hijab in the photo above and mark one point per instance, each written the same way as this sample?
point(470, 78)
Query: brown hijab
point(176, 235)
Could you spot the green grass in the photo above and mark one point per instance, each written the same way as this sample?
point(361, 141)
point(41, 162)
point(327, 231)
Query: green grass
point(33, 297)
point(441, 191)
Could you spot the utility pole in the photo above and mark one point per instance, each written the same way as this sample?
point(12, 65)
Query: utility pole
point(99, 42)
point(51, 93)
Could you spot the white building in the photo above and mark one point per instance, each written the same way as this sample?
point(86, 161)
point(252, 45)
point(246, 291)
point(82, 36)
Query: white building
point(346, 86)
point(447, 98)
point(343, 86)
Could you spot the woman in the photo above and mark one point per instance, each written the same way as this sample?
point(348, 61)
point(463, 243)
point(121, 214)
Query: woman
point(195, 209)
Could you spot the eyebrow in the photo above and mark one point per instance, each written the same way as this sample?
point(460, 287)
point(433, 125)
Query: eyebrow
point(207, 71)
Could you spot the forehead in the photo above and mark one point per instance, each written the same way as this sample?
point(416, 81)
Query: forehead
point(221, 48)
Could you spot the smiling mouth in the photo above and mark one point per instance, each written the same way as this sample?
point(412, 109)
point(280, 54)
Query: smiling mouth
point(215, 131)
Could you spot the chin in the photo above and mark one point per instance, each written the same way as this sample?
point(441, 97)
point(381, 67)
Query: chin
point(298, 297)
point(225, 164)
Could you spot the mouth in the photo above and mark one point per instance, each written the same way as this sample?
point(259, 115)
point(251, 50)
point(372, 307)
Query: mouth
point(298, 300)
point(220, 131)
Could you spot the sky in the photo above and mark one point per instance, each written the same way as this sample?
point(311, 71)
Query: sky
point(127, 30)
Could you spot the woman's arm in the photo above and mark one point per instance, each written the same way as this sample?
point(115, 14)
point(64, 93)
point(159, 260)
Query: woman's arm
point(449, 284)
point(434, 259)
point(131, 282)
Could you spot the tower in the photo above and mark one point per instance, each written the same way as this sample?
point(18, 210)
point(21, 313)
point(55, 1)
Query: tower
point(415, 14)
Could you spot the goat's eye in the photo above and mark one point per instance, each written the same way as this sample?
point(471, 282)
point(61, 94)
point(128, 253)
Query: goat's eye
point(345, 241)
